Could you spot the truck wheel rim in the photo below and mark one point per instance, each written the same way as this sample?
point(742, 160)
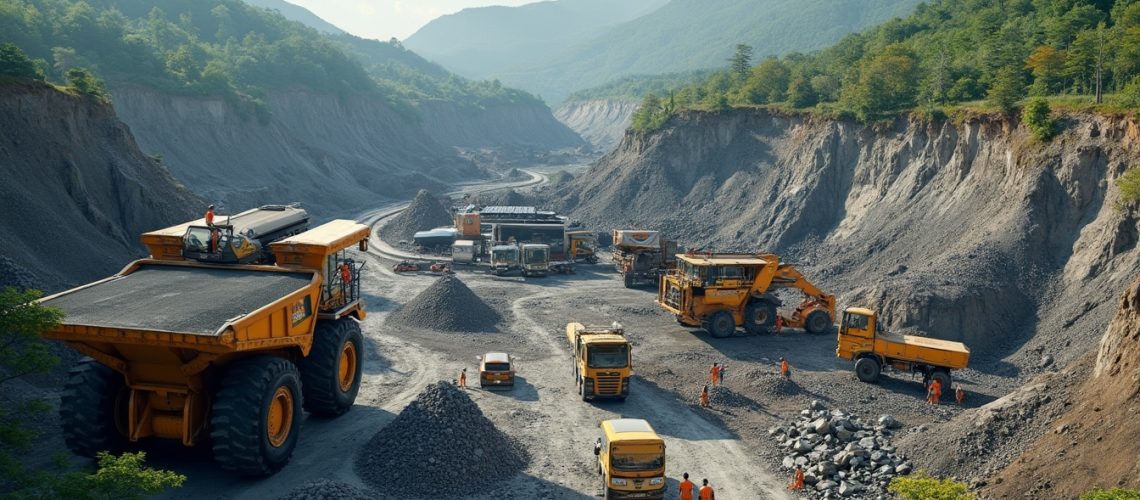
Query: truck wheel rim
point(346, 373)
point(280, 418)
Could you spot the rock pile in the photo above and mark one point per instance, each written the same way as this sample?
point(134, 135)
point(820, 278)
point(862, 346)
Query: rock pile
point(426, 212)
point(440, 446)
point(447, 305)
point(841, 455)
point(323, 489)
point(772, 384)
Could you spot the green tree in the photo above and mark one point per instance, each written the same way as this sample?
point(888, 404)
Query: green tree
point(886, 82)
point(1130, 95)
point(1048, 66)
point(800, 92)
point(127, 477)
point(1038, 120)
point(86, 83)
point(741, 61)
point(920, 486)
point(768, 83)
point(14, 63)
point(1007, 89)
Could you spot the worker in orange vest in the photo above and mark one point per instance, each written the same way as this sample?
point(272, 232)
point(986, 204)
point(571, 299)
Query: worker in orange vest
point(214, 235)
point(463, 379)
point(706, 492)
point(785, 368)
point(705, 397)
point(687, 488)
point(935, 392)
point(345, 273)
point(779, 324)
point(959, 394)
point(714, 374)
point(210, 215)
point(797, 480)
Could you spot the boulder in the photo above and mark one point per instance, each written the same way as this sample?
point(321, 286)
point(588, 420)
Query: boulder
point(825, 485)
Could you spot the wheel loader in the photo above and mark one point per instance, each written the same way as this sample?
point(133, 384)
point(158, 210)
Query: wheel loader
point(719, 292)
point(221, 354)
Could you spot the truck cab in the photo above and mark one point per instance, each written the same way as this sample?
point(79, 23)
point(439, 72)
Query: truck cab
point(603, 360)
point(535, 259)
point(504, 259)
point(581, 245)
point(496, 369)
point(863, 339)
point(631, 459)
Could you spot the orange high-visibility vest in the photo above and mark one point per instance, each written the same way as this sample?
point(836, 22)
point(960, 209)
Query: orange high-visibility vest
point(707, 493)
point(345, 274)
point(687, 489)
point(210, 217)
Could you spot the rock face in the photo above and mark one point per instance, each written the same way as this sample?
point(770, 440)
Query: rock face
point(601, 122)
point(77, 192)
point(334, 154)
point(425, 212)
point(513, 125)
point(440, 446)
point(971, 230)
point(447, 305)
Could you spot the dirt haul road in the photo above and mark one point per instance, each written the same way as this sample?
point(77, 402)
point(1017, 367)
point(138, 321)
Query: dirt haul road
point(728, 444)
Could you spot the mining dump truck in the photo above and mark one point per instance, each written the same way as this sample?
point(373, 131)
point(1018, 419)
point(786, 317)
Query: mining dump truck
point(581, 246)
point(720, 292)
point(228, 354)
point(642, 257)
point(603, 360)
point(631, 460)
point(863, 339)
point(237, 239)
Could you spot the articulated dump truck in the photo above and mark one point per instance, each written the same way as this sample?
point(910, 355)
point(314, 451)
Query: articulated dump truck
point(603, 360)
point(195, 350)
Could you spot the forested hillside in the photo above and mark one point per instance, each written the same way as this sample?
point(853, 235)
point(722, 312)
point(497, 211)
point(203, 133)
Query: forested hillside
point(687, 35)
point(482, 42)
point(947, 52)
point(297, 13)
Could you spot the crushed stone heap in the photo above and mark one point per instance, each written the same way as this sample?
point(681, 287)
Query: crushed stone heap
point(323, 489)
point(447, 305)
point(426, 212)
point(839, 453)
point(440, 446)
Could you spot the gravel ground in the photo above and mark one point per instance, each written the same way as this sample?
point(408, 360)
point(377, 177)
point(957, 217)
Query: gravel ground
point(323, 489)
point(448, 305)
point(425, 212)
point(440, 445)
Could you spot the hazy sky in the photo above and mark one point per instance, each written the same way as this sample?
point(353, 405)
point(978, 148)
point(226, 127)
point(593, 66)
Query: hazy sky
point(384, 19)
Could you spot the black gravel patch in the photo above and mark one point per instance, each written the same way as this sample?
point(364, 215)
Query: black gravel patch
point(447, 305)
point(324, 489)
point(440, 446)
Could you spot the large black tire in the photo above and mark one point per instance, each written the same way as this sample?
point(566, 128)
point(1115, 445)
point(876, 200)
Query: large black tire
point(943, 378)
point(93, 409)
point(627, 280)
point(330, 376)
point(247, 440)
point(817, 322)
point(760, 318)
point(868, 369)
point(720, 324)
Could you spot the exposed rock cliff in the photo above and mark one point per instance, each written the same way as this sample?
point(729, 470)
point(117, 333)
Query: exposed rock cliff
point(333, 154)
point(969, 230)
point(77, 192)
point(602, 122)
point(527, 125)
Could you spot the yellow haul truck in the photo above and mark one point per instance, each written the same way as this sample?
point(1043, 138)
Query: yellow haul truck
point(862, 339)
point(631, 459)
point(189, 350)
point(603, 360)
point(719, 292)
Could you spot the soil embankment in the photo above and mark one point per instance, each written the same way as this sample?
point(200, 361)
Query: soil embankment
point(602, 122)
point(77, 190)
point(968, 229)
point(524, 125)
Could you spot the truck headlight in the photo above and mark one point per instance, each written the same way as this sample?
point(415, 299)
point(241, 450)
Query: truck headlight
point(619, 481)
point(657, 480)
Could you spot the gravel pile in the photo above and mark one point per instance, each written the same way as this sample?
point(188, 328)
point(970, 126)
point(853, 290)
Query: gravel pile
point(447, 305)
point(505, 198)
point(721, 396)
point(440, 446)
point(323, 489)
point(841, 455)
point(771, 384)
point(426, 212)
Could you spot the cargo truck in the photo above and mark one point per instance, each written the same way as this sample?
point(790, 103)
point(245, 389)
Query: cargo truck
point(535, 259)
point(642, 257)
point(603, 360)
point(863, 339)
point(504, 259)
point(631, 460)
point(227, 354)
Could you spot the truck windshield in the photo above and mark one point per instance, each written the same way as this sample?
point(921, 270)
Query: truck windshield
point(536, 254)
point(197, 239)
point(639, 462)
point(506, 255)
point(497, 367)
point(856, 321)
point(608, 356)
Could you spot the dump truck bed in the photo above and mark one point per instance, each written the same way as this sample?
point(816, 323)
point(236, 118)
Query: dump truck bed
point(176, 299)
point(937, 352)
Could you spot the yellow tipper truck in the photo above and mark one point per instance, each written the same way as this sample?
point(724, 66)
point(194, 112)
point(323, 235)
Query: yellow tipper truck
point(188, 350)
point(603, 360)
point(719, 292)
point(631, 460)
point(862, 339)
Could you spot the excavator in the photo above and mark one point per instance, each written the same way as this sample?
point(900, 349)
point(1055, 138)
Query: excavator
point(720, 292)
